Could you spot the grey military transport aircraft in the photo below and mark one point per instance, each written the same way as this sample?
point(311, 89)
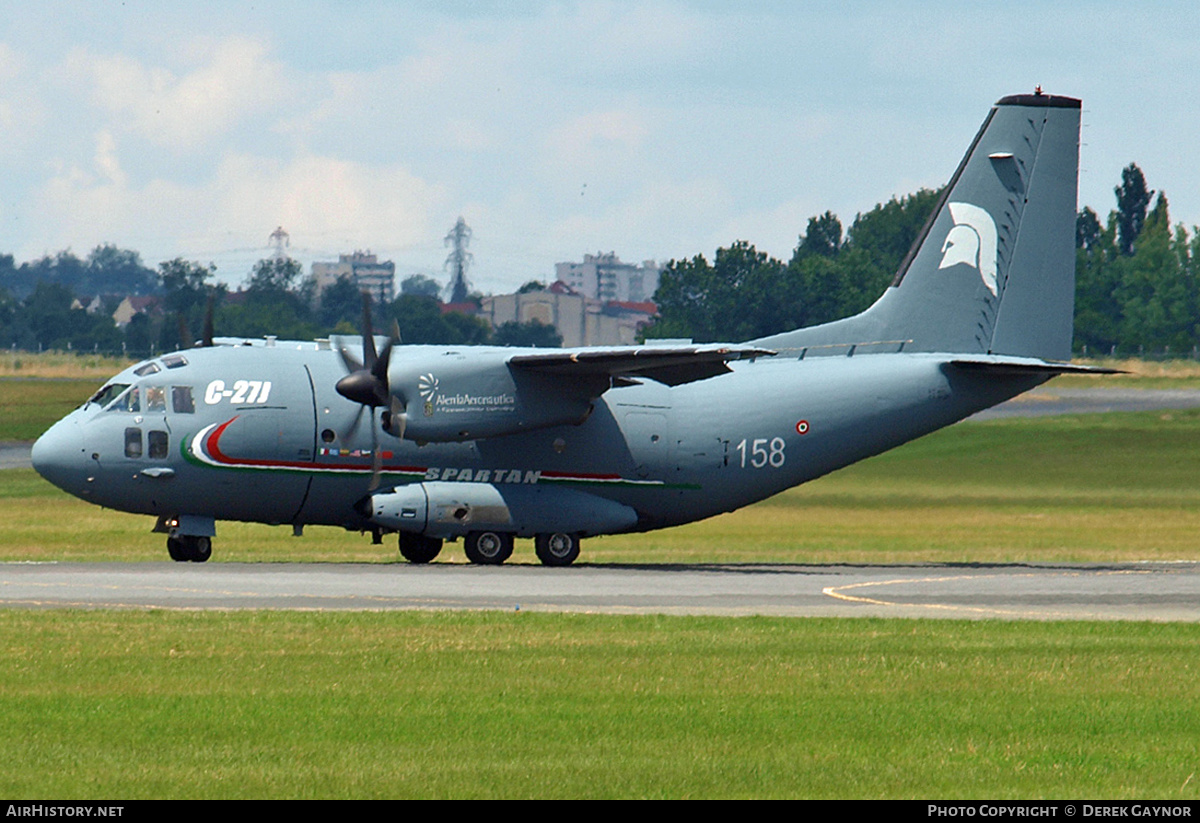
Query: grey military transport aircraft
point(490, 444)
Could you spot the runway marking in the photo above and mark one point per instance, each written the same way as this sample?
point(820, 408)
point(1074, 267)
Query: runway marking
point(837, 592)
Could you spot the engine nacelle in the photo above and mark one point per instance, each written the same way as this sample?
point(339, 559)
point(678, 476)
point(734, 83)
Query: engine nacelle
point(450, 397)
point(449, 510)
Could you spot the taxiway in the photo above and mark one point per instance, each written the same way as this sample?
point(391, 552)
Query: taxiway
point(1141, 591)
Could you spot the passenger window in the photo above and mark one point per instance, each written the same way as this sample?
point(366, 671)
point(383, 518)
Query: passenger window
point(156, 399)
point(133, 442)
point(159, 445)
point(182, 401)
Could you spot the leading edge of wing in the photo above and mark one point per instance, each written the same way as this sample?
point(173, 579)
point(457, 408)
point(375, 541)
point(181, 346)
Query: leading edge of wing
point(672, 365)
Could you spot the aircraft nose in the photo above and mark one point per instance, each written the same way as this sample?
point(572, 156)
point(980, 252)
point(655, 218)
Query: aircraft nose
point(59, 456)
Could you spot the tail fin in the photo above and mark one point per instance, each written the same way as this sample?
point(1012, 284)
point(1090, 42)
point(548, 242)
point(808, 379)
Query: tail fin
point(993, 270)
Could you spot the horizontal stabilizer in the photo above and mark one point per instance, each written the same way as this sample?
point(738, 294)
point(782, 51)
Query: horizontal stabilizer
point(1025, 365)
point(672, 365)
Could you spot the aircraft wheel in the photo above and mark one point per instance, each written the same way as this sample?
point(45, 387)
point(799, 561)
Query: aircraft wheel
point(189, 548)
point(417, 548)
point(557, 549)
point(488, 548)
point(201, 548)
point(177, 550)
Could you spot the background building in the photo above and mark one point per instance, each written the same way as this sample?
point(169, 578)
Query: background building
point(605, 277)
point(582, 321)
point(368, 273)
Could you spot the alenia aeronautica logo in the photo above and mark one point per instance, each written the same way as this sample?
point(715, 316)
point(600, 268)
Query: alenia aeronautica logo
point(972, 241)
point(427, 386)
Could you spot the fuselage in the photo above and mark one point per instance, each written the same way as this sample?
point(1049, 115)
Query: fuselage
point(258, 433)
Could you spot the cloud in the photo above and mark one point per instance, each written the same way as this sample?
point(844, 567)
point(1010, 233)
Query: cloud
point(22, 107)
point(325, 200)
point(327, 204)
point(233, 81)
point(595, 138)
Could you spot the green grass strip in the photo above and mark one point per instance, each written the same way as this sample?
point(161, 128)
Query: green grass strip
point(517, 704)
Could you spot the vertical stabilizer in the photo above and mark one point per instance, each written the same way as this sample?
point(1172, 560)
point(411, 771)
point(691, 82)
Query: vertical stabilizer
point(993, 270)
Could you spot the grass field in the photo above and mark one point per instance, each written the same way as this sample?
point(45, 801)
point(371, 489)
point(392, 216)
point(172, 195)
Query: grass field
point(515, 704)
point(135, 704)
point(30, 406)
point(60, 364)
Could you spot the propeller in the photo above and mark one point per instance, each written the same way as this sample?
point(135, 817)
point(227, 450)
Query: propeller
point(367, 384)
point(207, 338)
point(185, 334)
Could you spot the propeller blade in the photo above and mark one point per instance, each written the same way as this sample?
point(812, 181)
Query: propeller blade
point(376, 456)
point(397, 418)
point(349, 361)
point(369, 353)
point(185, 335)
point(207, 335)
point(353, 430)
point(380, 370)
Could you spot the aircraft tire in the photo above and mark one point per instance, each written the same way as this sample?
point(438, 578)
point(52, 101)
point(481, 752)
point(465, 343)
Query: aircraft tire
point(189, 548)
point(201, 548)
point(488, 548)
point(557, 549)
point(177, 550)
point(417, 548)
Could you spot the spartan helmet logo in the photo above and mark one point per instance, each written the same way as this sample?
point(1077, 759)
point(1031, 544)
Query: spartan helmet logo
point(972, 241)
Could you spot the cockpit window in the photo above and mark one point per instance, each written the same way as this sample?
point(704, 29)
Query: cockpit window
point(156, 398)
point(175, 361)
point(106, 394)
point(182, 401)
point(127, 402)
point(147, 368)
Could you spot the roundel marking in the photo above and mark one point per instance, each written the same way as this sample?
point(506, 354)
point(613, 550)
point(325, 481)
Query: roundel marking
point(802, 427)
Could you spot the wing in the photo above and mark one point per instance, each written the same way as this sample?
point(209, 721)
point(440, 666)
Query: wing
point(672, 365)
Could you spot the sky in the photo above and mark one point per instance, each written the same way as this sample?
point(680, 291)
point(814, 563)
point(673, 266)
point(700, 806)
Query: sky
point(656, 130)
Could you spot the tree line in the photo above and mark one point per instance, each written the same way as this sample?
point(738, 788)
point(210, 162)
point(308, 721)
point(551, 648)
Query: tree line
point(37, 299)
point(1136, 289)
point(744, 293)
point(1135, 277)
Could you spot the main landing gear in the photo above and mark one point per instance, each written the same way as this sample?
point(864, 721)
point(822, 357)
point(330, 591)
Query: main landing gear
point(488, 548)
point(186, 547)
point(491, 548)
point(557, 549)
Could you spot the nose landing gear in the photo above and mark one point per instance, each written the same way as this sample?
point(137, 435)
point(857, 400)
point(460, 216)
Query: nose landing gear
point(189, 548)
point(189, 536)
